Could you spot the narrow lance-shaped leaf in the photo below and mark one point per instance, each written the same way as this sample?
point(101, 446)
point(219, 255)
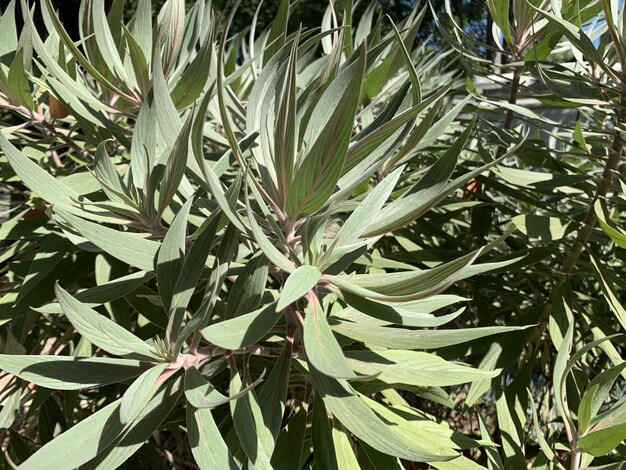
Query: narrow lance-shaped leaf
point(139, 394)
point(299, 282)
point(322, 349)
point(71, 373)
point(171, 256)
point(243, 331)
point(81, 443)
point(316, 177)
point(207, 445)
point(126, 246)
point(101, 331)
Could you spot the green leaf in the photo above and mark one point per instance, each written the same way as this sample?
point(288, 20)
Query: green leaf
point(603, 441)
point(200, 393)
point(273, 395)
point(585, 409)
point(207, 445)
point(18, 83)
point(267, 247)
point(617, 234)
point(51, 251)
point(101, 331)
point(37, 179)
point(322, 349)
point(175, 166)
point(424, 194)
point(137, 433)
point(256, 439)
point(10, 408)
point(289, 446)
point(105, 41)
point(396, 338)
point(500, 13)
point(126, 246)
point(346, 460)
point(413, 368)
point(299, 282)
point(247, 291)
point(71, 373)
point(355, 413)
point(241, 332)
point(367, 211)
point(139, 394)
point(81, 443)
point(107, 292)
point(278, 31)
point(414, 313)
point(315, 178)
point(171, 256)
point(109, 178)
point(542, 227)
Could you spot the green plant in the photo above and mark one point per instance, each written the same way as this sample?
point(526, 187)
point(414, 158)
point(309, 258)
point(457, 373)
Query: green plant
point(261, 312)
point(294, 250)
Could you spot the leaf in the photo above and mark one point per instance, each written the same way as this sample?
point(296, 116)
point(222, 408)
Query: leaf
point(37, 179)
point(397, 338)
point(195, 262)
point(424, 194)
point(138, 395)
point(207, 445)
point(367, 211)
point(171, 256)
point(299, 282)
point(126, 246)
point(137, 433)
point(107, 292)
point(200, 393)
point(414, 313)
point(315, 178)
point(69, 372)
point(617, 234)
point(542, 227)
point(267, 247)
point(273, 395)
point(603, 441)
point(285, 137)
point(512, 445)
point(278, 31)
point(243, 331)
point(610, 294)
point(51, 251)
point(322, 349)
point(18, 83)
point(585, 409)
point(413, 368)
point(109, 178)
point(247, 291)
point(175, 166)
point(105, 41)
point(81, 443)
point(10, 407)
point(346, 460)
point(289, 446)
point(78, 55)
point(256, 439)
point(101, 331)
point(353, 412)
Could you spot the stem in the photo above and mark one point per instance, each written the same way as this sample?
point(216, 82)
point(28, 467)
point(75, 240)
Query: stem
point(576, 456)
point(51, 128)
point(515, 83)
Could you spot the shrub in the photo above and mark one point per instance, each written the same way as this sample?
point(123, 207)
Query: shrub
point(254, 250)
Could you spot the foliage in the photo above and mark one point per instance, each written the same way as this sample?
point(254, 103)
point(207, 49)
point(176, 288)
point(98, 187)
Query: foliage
point(312, 248)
